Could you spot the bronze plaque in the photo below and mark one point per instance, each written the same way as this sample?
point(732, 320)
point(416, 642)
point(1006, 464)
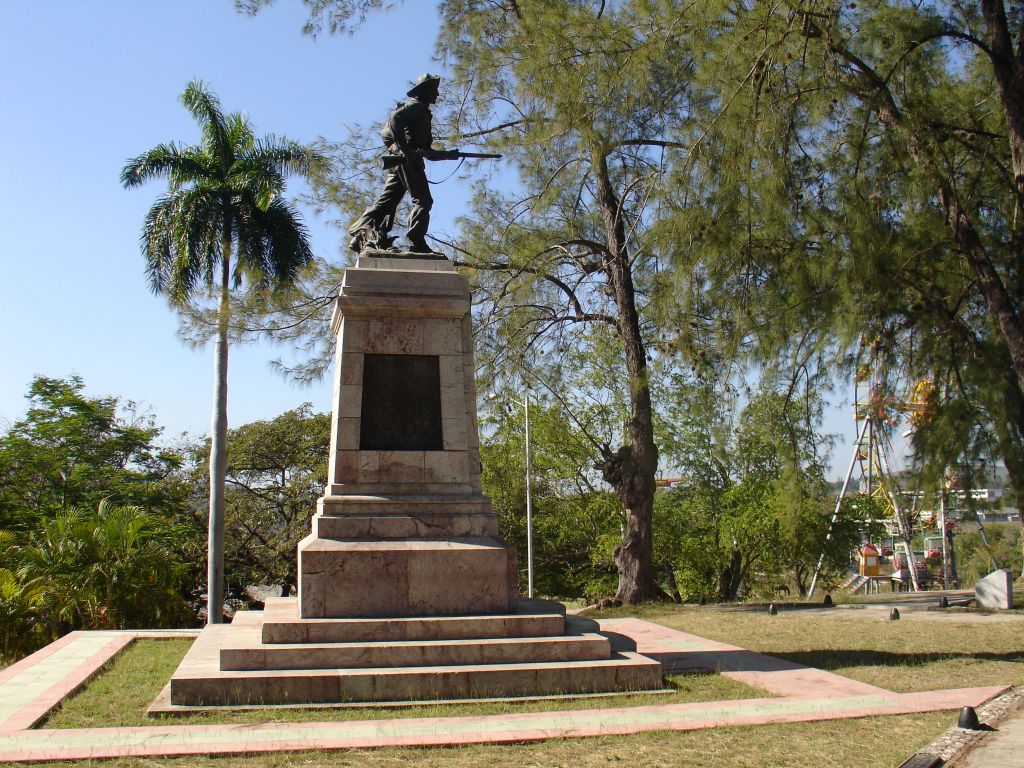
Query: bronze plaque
point(401, 409)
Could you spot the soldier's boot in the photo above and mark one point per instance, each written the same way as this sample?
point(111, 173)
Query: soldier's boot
point(359, 232)
point(419, 245)
point(369, 236)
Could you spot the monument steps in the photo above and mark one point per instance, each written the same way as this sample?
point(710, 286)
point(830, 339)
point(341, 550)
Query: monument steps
point(232, 664)
point(415, 653)
point(526, 618)
point(277, 639)
point(621, 672)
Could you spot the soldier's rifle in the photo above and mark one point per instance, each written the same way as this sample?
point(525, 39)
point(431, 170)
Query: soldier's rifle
point(393, 160)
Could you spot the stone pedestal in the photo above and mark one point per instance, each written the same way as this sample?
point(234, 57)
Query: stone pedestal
point(403, 529)
point(406, 590)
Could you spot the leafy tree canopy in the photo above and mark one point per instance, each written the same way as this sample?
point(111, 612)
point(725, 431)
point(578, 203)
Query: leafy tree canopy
point(576, 523)
point(791, 185)
point(276, 471)
point(71, 449)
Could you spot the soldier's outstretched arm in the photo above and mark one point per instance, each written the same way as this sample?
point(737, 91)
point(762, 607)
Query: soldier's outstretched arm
point(455, 154)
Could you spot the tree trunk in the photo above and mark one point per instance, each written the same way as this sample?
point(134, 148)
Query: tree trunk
point(730, 578)
point(631, 469)
point(1009, 439)
point(1008, 66)
point(800, 578)
point(1000, 303)
point(218, 449)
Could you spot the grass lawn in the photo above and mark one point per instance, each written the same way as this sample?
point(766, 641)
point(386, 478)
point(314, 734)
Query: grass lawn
point(920, 652)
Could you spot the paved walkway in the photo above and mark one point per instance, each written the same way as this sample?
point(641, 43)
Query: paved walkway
point(32, 687)
point(1004, 748)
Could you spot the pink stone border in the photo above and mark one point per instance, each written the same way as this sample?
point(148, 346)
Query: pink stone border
point(45, 699)
point(802, 694)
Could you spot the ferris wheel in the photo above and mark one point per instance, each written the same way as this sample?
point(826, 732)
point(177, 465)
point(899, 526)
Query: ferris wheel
point(886, 403)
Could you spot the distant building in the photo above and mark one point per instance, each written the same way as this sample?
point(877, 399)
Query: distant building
point(1003, 515)
point(984, 500)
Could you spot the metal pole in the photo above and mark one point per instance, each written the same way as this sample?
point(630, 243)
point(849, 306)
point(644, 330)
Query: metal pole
point(839, 503)
point(942, 530)
point(529, 503)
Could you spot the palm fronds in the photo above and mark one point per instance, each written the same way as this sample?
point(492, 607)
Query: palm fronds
point(224, 196)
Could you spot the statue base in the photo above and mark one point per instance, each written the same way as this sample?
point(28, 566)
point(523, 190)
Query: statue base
point(406, 589)
point(403, 528)
point(395, 253)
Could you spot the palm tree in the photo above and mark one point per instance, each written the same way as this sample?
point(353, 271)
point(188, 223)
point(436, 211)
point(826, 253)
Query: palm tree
point(132, 569)
point(222, 223)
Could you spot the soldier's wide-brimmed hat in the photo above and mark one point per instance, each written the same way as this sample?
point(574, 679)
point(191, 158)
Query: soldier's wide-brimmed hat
point(424, 82)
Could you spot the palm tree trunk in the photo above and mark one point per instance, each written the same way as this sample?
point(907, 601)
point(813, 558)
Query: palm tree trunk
point(218, 449)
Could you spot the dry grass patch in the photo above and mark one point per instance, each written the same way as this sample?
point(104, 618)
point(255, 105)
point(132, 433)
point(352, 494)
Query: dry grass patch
point(918, 653)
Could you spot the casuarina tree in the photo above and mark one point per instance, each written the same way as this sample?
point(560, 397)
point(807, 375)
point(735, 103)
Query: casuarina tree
point(222, 225)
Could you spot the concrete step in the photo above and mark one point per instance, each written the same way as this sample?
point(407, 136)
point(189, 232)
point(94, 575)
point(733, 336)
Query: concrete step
point(193, 686)
point(414, 653)
point(527, 618)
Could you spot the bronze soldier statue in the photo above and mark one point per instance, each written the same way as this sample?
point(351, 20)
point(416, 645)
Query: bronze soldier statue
point(408, 137)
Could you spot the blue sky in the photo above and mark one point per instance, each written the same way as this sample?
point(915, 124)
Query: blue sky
point(85, 87)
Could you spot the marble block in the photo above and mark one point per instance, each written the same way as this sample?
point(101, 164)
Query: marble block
point(405, 526)
point(404, 577)
point(402, 528)
point(995, 591)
